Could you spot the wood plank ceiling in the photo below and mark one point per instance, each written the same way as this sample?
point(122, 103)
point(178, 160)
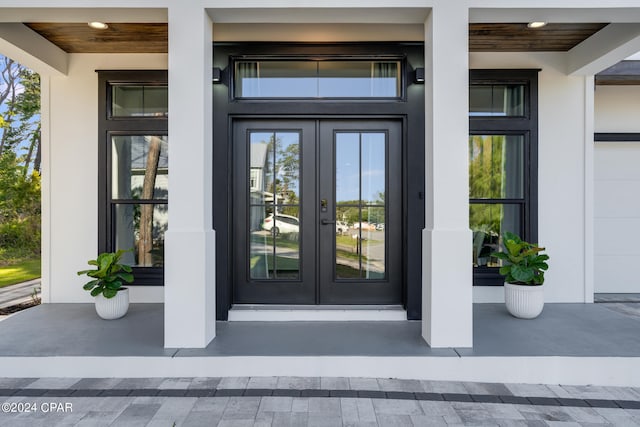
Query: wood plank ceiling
point(520, 38)
point(153, 37)
point(118, 38)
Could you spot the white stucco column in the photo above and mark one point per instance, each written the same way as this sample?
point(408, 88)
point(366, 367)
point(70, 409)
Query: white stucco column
point(189, 293)
point(589, 188)
point(447, 317)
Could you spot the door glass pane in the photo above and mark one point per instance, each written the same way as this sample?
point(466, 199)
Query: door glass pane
point(141, 227)
point(139, 101)
point(496, 100)
point(347, 168)
point(139, 167)
point(373, 168)
point(488, 223)
point(496, 166)
point(360, 160)
point(274, 205)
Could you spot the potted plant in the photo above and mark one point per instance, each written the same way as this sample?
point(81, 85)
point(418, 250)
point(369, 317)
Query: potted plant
point(106, 284)
point(523, 268)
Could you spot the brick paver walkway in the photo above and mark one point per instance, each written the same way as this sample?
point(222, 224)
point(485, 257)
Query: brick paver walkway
point(293, 401)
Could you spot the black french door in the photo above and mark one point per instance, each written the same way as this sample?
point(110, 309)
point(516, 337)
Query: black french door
point(317, 211)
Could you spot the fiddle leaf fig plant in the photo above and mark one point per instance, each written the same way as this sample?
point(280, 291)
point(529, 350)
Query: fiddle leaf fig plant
point(523, 262)
point(109, 275)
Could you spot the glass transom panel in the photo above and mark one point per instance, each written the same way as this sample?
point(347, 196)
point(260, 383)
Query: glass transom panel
point(497, 100)
point(139, 101)
point(317, 79)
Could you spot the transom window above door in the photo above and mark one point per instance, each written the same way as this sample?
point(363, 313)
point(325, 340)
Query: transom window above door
point(317, 78)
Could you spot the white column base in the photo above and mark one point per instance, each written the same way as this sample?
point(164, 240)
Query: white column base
point(447, 288)
point(189, 290)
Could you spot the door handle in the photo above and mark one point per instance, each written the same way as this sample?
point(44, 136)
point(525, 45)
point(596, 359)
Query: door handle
point(327, 222)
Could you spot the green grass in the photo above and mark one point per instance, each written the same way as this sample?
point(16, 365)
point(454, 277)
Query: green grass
point(348, 240)
point(19, 272)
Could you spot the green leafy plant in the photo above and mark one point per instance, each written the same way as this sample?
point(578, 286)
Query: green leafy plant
point(523, 262)
point(109, 276)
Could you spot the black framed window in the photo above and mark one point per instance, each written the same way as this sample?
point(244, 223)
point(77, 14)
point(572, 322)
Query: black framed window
point(503, 146)
point(134, 169)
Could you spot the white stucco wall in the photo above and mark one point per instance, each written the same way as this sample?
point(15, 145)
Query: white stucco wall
point(561, 174)
point(617, 194)
point(72, 140)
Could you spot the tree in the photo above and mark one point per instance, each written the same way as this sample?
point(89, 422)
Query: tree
point(145, 242)
point(21, 121)
point(19, 210)
point(19, 162)
point(9, 74)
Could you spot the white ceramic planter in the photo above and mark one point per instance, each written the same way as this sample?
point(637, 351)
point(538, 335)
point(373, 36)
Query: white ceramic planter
point(524, 302)
point(113, 308)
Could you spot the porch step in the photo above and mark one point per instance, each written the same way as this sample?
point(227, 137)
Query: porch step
point(319, 313)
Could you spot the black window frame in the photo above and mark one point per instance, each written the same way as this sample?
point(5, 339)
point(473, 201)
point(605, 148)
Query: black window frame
point(109, 126)
point(526, 125)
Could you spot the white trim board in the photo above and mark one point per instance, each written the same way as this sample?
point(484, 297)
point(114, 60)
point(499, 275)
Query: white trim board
point(320, 314)
point(604, 371)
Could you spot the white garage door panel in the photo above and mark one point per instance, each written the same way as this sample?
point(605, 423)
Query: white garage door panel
point(615, 274)
point(615, 236)
point(617, 199)
point(617, 217)
point(617, 161)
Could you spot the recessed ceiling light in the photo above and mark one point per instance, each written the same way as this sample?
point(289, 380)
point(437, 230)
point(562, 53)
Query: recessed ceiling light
point(97, 25)
point(536, 24)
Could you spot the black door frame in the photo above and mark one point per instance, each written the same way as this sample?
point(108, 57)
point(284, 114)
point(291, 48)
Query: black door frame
point(357, 291)
point(317, 282)
point(410, 110)
point(285, 291)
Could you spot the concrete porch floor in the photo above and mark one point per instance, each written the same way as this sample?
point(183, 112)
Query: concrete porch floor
point(568, 343)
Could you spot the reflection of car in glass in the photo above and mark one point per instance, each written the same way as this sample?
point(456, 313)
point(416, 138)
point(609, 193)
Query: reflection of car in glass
point(341, 227)
point(281, 224)
point(364, 225)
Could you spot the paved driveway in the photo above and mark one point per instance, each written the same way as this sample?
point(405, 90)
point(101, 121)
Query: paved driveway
point(296, 401)
point(16, 294)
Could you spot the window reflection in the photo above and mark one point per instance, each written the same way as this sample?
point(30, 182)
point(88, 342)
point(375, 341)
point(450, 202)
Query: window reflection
point(274, 211)
point(139, 194)
point(496, 100)
point(139, 167)
point(360, 243)
point(488, 223)
point(496, 166)
point(142, 227)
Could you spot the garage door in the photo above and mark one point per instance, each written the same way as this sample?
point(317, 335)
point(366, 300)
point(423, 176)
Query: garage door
point(617, 217)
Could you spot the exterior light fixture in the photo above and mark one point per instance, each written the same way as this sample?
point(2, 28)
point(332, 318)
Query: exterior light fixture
point(97, 25)
point(418, 75)
point(216, 75)
point(536, 24)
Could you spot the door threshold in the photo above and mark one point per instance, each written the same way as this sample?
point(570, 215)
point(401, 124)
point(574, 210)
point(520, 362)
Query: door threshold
point(315, 313)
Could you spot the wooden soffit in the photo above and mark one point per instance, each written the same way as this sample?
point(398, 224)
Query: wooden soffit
point(625, 73)
point(153, 37)
point(520, 38)
point(118, 38)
